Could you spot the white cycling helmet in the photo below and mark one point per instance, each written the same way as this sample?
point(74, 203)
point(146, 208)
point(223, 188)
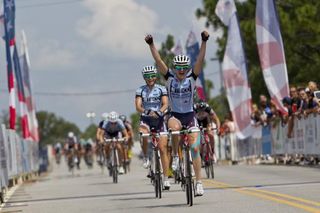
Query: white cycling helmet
point(70, 134)
point(181, 60)
point(149, 70)
point(105, 116)
point(113, 117)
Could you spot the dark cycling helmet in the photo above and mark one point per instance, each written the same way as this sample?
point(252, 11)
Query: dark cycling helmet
point(202, 105)
point(123, 118)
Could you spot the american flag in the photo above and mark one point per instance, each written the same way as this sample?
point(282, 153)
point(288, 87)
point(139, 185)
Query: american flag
point(235, 70)
point(30, 103)
point(193, 49)
point(9, 28)
point(271, 52)
point(21, 95)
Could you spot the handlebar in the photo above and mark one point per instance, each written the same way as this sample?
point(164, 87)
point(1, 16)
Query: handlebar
point(180, 132)
point(114, 139)
point(151, 133)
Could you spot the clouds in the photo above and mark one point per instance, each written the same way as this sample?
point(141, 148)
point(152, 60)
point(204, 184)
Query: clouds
point(51, 53)
point(115, 26)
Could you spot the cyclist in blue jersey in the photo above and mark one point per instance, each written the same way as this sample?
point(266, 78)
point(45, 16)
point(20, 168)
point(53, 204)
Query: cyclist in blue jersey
point(152, 101)
point(113, 127)
point(180, 85)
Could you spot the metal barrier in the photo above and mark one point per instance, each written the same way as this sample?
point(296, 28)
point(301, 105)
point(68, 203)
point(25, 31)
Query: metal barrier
point(272, 140)
point(18, 158)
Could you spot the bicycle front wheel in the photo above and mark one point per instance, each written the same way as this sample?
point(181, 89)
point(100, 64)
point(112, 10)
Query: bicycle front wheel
point(189, 185)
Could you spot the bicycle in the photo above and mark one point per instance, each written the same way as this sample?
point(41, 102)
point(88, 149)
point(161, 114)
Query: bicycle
point(156, 170)
point(187, 183)
point(115, 163)
point(207, 154)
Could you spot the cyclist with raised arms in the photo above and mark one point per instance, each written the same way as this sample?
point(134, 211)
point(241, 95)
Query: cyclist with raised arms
point(181, 84)
point(152, 101)
point(205, 116)
point(113, 127)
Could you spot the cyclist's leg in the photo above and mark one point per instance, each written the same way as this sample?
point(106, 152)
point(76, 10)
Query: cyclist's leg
point(211, 136)
point(163, 154)
point(144, 145)
point(194, 142)
point(175, 125)
point(121, 153)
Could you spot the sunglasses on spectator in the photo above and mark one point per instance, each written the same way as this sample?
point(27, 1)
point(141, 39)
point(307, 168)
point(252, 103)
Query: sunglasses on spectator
point(149, 76)
point(182, 68)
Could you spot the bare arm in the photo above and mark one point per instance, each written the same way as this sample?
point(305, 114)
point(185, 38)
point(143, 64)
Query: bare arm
point(165, 103)
point(138, 103)
point(125, 134)
point(162, 67)
point(198, 65)
point(101, 134)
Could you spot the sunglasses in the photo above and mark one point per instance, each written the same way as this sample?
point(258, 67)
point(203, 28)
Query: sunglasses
point(149, 76)
point(182, 68)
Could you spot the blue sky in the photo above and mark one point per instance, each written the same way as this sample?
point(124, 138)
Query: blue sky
point(98, 46)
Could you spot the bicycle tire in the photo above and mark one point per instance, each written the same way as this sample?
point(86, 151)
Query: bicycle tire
point(115, 166)
point(157, 185)
point(189, 187)
point(211, 169)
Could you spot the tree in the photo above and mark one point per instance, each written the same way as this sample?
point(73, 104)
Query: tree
point(90, 132)
point(299, 23)
point(53, 129)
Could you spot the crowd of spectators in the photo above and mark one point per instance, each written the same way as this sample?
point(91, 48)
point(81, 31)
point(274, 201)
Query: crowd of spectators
point(302, 102)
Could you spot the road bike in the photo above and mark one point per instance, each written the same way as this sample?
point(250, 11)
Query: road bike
point(155, 168)
point(114, 156)
point(185, 163)
point(207, 153)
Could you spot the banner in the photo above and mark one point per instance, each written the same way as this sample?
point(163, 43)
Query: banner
point(235, 71)
point(271, 51)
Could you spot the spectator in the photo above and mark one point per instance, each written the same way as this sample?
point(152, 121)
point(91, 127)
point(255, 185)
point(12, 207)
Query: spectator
point(265, 110)
point(255, 115)
point(288, 118)
point(296, 102)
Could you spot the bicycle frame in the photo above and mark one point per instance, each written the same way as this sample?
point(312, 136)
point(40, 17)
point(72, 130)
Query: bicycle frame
point(187, 181)
point(114, 156)
point(157, 165)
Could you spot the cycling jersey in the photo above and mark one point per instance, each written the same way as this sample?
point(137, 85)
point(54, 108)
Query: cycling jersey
point(113, 129)
point(204, 113)
point(181, 92)
point(151, 98)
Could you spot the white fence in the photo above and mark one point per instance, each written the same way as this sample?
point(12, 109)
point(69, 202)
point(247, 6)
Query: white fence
point(273, 141)
point(17, 156)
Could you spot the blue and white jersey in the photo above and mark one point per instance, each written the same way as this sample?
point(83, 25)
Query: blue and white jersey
point(151, 98)
point(111, 128)
point(181, 92)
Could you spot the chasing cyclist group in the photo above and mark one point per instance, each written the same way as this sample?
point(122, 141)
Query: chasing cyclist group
point(162, 108)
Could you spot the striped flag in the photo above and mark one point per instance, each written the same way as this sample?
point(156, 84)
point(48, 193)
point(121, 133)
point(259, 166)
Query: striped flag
point(21, 95)
point(193, 49)
point(271, 51)
point(9, 28)
point(177, 49)
point(30, 103)
point(235, 70)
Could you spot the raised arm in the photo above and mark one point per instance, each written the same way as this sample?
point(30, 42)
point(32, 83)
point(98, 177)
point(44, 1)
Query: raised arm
point(198, 65)
point(162, 67)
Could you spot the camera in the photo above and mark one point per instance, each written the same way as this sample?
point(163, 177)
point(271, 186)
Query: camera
point(317, 95)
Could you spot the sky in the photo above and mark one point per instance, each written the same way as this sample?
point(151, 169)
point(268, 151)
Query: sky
point(97, 46)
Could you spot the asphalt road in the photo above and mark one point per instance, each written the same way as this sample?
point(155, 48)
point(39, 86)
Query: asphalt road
point(241, 188)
